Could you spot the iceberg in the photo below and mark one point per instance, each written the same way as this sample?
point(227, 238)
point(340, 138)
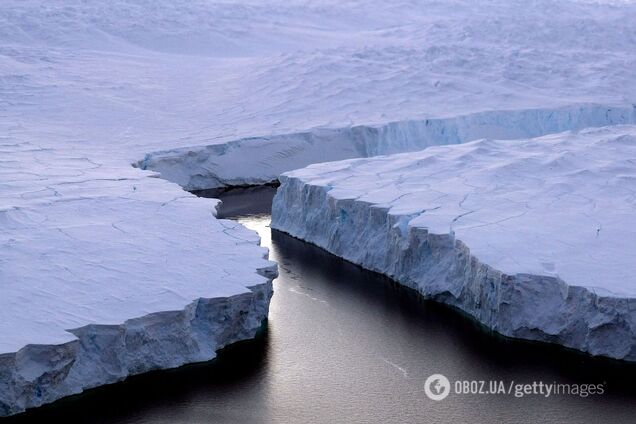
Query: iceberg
point(532, 238)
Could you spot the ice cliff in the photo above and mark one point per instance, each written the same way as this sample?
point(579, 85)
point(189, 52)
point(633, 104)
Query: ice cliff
point(533, 238)
point(106, 270)
point(103, 277)
point(260, 160)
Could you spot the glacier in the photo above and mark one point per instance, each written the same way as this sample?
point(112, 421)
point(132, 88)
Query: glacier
point(532, 238)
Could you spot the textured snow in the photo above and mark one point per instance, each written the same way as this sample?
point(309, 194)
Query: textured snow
point(142, 76)
point(394, 66)
point(105, 272)
point(92, 244)
point(534, 238)
point(261, 160)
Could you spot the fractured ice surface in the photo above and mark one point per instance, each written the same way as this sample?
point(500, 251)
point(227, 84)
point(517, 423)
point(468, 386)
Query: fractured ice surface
point(260, 160)
point(370, 78)
point(217, 93)
point(221, 93)
point(533, 238)
point(105, 272)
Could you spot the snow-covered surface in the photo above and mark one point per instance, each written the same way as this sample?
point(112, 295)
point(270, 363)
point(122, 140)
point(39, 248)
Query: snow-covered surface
point(92, 244)
point(88, 88)
point(140, 76)
point(359, 65)
point(105, 272)
point(534, 238)
point(260, 160)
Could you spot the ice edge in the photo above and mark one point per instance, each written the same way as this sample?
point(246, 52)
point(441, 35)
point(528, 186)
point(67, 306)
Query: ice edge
point(441, 268)
point(260, 160)
point(105, 354)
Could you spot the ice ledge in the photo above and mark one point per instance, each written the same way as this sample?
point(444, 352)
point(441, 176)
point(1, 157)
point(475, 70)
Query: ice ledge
point(104, 354)
point(105, 273)
point(260, 160)
point(533, 238)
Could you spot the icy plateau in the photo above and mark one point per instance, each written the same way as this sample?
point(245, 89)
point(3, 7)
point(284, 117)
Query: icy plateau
point(108, 268)
point(533, 238)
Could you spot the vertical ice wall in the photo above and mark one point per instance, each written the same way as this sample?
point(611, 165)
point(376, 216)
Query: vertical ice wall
point(260, 160)
point(532, 238)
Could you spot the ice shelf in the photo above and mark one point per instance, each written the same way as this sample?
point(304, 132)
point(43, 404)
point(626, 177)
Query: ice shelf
point(533, 238)
point(96, 256)
point(106, 272)
point(260, 160)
